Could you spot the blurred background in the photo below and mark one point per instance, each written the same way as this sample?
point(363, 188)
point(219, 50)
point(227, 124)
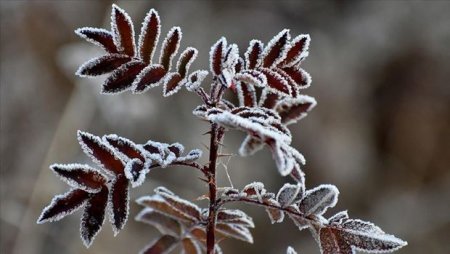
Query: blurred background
point(380, 132)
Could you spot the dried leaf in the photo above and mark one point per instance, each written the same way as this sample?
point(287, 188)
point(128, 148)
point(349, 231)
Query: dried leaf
point(162, 206)
point(332, 243)
point(80, 176)
point(237, 217)
point(102, 65)
point(125, 146)
point(150, 31)
point(170, 47)
point(275, 214)
point(338, 218)
point(319, 199)
point(292, 110)
point(63, 205)
point(123, 31)
point(99, 37)
point(183, 206)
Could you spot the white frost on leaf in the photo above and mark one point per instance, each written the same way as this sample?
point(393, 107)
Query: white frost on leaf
point(80, 176)
point(152, 15)
point(250, 146)
point(319, 199)
point(195, 79)
point(276, 50)
point(339, 217)
point(118, 13)
point(287, 194)
point(290, 250)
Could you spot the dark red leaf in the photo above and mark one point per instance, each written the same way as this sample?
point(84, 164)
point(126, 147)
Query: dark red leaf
point(122, 78)
point(277, 82)
point(216, 55)
point(93, 216)
point(123, 30)
point(149, 36)
point(102, 65)
point(100, 152)
point(301, 78)
point(275, 50)
point(149, 77)
point(163, 245)
point(298, 50)
point(63, 205)
point(98, 36)
point(172, 84)
point(269, 99)
point(253, 54)
point(163, 223)
point(293, 109)
point(119, 202)
point(246, 94)
point(170, 47)
point(125, 146)
point(80, 176)
point(186, 59)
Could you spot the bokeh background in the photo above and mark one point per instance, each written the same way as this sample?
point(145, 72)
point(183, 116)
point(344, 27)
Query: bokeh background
point(381, 130)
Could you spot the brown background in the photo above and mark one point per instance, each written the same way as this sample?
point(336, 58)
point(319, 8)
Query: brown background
point(381, 130)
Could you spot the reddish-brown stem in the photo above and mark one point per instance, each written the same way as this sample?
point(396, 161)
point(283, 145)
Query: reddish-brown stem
point(216, 134)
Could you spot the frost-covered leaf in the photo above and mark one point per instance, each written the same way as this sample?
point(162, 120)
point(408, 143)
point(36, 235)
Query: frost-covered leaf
point(200, 111)
point(100, 152)
point(123, 31)
point(292, 110)
point(332, 243)
point(176, 148)
point(102, 65)
point(135, 171)
point(235, 217)
point(188, 208)
point(246, 94)
point(119, 198)
point(234, 231)
point(282, 155)
point(252, 77)
point(80, 176)
point(99, 37)
point(125, 146)
point(276, 49)
point(319, 199)
point(230, 57)
point(216, 56)
point(268, 99)
point(276, 215)
point(163, 245)
point(250, 146)
point(290, 250)
point(150, 31)
point(195, 79)
point(164, 224)
point(161, 205)
point(338, 218)
point(122, 78)
point(360, 235)
point(93, 216)
point(301, 77)
point(170, 47)
point(276, 82)
point(254, 189)
point(298, 50)
point(151, 76)
point(299, 221)
point(186, 59)
point(298, 175)
point(287, 194)
point(191, 156)
point(172, 84)
point(63, 205)
point(190, 246)
point(253, 54)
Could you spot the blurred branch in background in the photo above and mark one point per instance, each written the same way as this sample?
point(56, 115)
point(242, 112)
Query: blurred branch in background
point(381, 131)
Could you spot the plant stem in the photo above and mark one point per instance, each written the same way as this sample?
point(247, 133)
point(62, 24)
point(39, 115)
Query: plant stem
point(216, 136)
